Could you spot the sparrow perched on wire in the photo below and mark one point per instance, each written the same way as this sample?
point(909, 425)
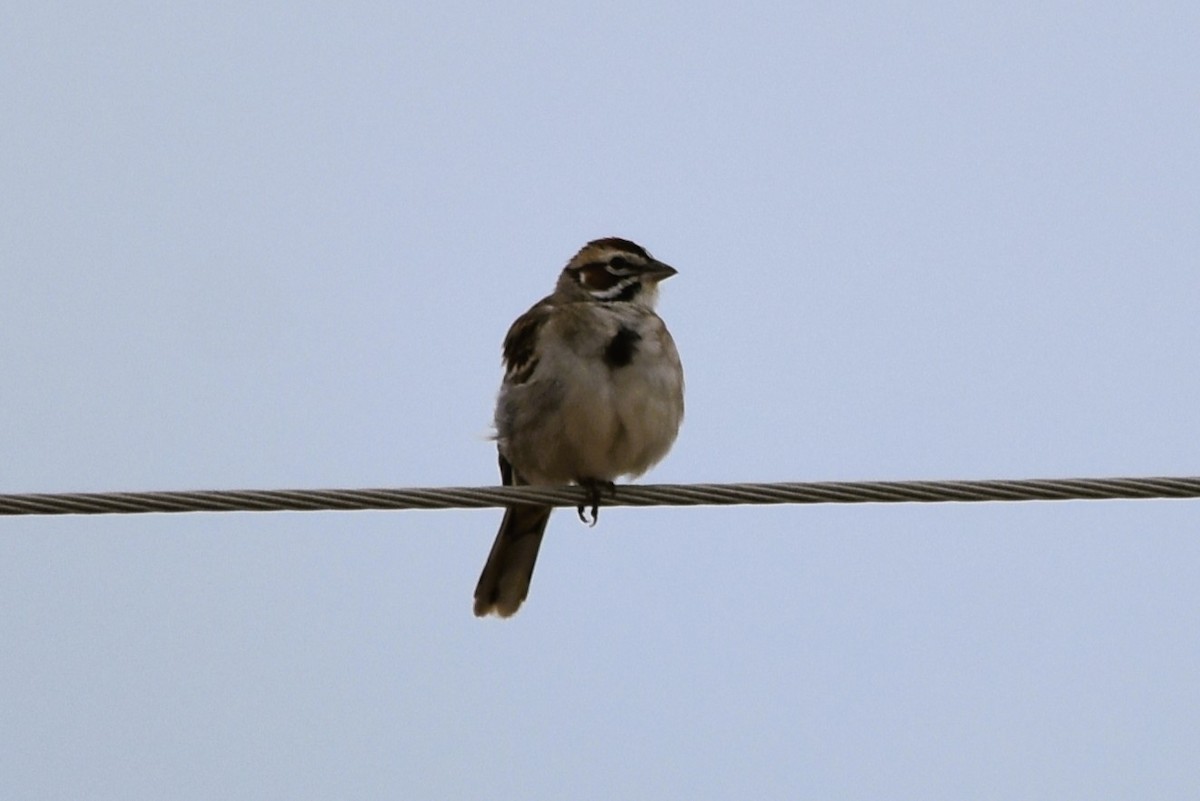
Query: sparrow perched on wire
point(592, 390)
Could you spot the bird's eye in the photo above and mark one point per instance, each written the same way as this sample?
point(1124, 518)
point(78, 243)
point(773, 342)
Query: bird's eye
point(618, 265)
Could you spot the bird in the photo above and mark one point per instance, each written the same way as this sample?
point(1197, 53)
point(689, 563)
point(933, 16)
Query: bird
point(592, 392)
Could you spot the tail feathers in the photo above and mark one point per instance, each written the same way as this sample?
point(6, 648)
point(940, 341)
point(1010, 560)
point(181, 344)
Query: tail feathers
point(504, 582)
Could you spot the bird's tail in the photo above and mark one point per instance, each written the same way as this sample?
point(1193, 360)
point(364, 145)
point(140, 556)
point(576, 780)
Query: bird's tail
point(504, 582)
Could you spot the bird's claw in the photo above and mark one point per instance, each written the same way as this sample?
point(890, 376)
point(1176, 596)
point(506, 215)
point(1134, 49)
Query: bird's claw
point(594, 489)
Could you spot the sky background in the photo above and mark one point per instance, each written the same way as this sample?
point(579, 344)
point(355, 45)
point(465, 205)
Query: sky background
point(278, 245)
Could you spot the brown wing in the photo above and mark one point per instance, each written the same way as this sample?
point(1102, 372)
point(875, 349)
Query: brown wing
point(520, 345)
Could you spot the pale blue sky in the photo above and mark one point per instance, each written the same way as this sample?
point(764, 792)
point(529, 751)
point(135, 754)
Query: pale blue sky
point(278, 246)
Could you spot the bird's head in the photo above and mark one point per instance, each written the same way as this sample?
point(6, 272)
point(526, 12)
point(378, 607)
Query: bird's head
point(613, 270)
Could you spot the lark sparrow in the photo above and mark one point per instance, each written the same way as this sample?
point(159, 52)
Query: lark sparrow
point(592, 390)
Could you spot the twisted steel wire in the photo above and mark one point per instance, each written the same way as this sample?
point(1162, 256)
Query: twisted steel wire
point(624, 495)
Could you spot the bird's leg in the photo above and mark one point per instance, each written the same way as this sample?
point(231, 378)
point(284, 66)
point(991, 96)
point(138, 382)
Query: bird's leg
point(594, 487)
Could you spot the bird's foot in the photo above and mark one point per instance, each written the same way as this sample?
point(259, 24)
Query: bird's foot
point(594, 488)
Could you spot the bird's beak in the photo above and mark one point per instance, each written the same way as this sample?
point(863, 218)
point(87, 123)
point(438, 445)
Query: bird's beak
point(659, 271)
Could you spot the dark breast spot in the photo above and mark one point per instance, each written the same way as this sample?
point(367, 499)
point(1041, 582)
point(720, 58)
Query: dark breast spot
point(620, 349)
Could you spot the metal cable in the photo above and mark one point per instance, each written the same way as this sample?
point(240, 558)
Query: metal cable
point(625, 495)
